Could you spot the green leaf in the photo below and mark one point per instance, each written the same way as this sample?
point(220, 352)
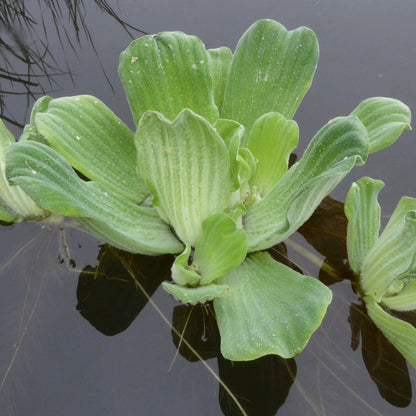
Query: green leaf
point(405, 205)
point(30, 132)
point(221, 248)
point(400, 333)
point(384, 119)
point(247, 167)
point(268, 309)
point(187, 167)
point(392, 256)
point(231, 132)
point(183, 273)
point(363, 213)
point(15, 205)
point(167, 73)
point(405, 300)
point(5, 214)
point(52, 183)
point(331, 154)
point(219, 61)
point(272, 70)
point(194, 295)
point(272, 139)
point(93, 140)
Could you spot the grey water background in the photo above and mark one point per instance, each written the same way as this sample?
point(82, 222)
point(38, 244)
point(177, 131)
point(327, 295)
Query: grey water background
point(52, 361)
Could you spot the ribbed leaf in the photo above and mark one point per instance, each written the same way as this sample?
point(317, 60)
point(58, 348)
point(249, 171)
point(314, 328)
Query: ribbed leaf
point(219, 62)
point(385, 119)
point(231, 132)
point(51, 182)
point(194, 295)
point(6, 139)
point(167, 73)
point(187, 167)
point(221, 248)
point(272, 139)
point(272, 70)
point(405, 300)
point(15, 205)
point(6, 214)
point(405, 205)
point(268, 309)
point(363, 213)
point(247, 167)
point(331, 154)
point(392, 256)
point(93, 140)
point(400, 333)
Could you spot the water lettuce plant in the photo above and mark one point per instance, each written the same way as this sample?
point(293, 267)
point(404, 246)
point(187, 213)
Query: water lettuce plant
point(385, 264)
point(205, 175)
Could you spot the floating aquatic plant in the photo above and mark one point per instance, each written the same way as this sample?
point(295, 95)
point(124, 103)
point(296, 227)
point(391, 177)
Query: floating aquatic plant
point(205, 175)
point(385, 264)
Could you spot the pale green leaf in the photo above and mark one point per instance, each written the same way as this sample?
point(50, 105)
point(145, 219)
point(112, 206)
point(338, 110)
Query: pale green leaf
point(272, 70)
point(219, 62)
point(272, 139)
point(30, 132)
point(268, 309)
point(183, 273)
point(167, 73)
point(93, 140)
point(6, 139)
point(392, 255)
point(231, 132)
point(15, 205)
point(403, 301)
point(187, 168)
point(52, 183)
point(247, 166)
point(385, 119)
point(405, 205)
point(221, 248)
point(400, 333)
point(194, 295)
point(331, 154)
point(6, 215)
point(363, 213)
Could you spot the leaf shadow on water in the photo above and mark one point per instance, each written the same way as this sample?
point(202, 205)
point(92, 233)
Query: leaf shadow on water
point(385, 365)
point(108, 296)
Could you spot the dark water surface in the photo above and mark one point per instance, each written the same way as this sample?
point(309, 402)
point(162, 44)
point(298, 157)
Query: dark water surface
point(54, 361)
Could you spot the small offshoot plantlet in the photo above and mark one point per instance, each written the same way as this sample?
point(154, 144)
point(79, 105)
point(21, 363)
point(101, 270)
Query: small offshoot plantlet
point(385, 265)
point(205, 175)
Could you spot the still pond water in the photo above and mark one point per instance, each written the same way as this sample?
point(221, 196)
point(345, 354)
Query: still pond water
point(63, 351)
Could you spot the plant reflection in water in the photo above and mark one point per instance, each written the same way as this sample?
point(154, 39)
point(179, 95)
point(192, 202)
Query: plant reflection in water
point(112, 294)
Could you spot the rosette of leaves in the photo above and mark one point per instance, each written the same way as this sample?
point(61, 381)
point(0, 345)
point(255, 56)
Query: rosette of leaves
point(385, 264)
point(205, 175)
